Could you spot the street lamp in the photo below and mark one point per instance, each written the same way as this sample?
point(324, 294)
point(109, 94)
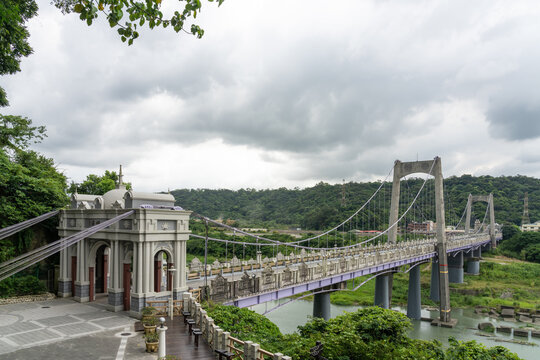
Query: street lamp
point(171, 307)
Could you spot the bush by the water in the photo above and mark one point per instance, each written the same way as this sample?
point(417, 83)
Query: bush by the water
point(369, 333)
point(24, 285)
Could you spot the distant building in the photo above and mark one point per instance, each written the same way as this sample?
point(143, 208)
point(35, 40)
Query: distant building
point(423, 227)
point(531, 227)
point(360, 232)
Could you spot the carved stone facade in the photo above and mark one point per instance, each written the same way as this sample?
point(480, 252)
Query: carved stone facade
point(121, 260)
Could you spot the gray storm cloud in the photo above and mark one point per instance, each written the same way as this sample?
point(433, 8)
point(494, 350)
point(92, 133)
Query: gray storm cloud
point(333, 91)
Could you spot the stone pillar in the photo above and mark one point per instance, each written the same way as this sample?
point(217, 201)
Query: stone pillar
point(181, 261)
point(139, 265)
point(116, 293)
point(414, 299)
point(434, 285)
point(147, 275)
point(259, 258)
point(186, 296)
point(321, 306)
point(381, 291)
point(64, 281)
point(218, 337)
point(225, 340)
point(455, 268)
point(82, 288)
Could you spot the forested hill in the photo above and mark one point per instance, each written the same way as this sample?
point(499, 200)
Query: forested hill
point(319, 206)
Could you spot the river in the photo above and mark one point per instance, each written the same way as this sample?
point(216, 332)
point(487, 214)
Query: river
point(289, 316)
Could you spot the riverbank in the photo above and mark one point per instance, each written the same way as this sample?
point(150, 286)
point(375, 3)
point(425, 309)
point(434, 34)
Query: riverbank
point(502, 282)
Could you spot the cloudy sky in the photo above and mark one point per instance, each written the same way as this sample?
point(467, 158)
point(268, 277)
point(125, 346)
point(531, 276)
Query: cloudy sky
point(289, 93)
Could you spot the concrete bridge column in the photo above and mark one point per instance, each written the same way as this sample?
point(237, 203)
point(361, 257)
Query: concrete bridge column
point(381, 292)
point(434, 285)
point(473, 265)
point(414, 298)
point(321, 306)
point(455, 268)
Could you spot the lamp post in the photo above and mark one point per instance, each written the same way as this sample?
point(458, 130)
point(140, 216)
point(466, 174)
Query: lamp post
point(162, 351)
point(171, 307)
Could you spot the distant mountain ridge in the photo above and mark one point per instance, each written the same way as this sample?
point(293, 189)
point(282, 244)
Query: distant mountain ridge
point(320, 206)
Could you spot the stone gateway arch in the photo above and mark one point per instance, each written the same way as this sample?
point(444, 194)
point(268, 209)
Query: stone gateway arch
point(128, 261)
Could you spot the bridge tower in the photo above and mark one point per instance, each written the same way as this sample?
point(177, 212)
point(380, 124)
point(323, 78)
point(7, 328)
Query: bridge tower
point(434, 168)
point(489, 200)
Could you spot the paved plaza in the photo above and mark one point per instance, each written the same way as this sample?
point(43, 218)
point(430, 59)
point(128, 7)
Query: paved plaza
point(65, 329)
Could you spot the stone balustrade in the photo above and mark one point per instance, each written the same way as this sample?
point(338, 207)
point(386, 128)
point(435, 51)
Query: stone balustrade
point(218, 339)
point(295, 270)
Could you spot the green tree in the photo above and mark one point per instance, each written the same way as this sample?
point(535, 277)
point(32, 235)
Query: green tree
point(14, 36)
point(510, 230)
point(129, 16)
point(30, 184)
point(97, 185)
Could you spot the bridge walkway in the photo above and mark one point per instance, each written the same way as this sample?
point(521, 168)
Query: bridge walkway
point(181, 344)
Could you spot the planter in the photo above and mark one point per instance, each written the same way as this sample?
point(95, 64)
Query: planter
point(152, 347)
point(149, 329)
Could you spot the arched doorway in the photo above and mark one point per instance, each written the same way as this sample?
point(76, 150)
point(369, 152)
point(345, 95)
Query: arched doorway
point(99, 270)
point(102, 269)
point(162, 277)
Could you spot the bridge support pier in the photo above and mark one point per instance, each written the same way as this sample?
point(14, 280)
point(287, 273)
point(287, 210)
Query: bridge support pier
point(321, 306)
point(473, 266)
point(434, 285)
point(381, 292)
point(414, 298)
point(455, 268)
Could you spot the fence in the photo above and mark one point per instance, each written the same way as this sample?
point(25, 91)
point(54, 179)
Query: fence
point(218, 339)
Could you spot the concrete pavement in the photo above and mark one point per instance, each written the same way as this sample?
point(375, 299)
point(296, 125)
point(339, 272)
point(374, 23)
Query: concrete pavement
point(65, 329)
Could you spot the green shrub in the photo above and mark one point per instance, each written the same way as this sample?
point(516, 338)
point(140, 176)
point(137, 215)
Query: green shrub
point(151, 321)
point(24, 285)
point(152, 337)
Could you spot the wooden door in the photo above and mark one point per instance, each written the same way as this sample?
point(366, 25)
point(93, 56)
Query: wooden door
point(91, 276)
point(127, 286)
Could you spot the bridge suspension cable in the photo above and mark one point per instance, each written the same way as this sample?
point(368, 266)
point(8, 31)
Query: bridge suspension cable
point(10, 230)
point(294, 244)
point(26, 260)
point(303, 240)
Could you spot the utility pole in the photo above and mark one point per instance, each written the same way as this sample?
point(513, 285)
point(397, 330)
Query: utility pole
point(343, 201)
point(525, 218)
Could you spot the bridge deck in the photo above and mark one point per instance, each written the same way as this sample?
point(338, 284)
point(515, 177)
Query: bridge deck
point(181, 344)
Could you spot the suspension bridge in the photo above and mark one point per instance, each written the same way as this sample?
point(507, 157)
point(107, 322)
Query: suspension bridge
point(132, 247)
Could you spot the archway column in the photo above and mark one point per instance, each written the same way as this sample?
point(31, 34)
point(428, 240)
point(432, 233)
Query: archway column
point(82, 286)
point(116, 293)
point(65, 282)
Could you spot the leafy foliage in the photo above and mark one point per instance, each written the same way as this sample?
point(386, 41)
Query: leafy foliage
point(129, 16)
point(18, 286)
point(16, 133)
point(319, 207)
point(522, 245)
point(97, 185)
point(471, 350)
point(14, 36)
point(30, 185)
point(246, 325)
point(370, 333)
